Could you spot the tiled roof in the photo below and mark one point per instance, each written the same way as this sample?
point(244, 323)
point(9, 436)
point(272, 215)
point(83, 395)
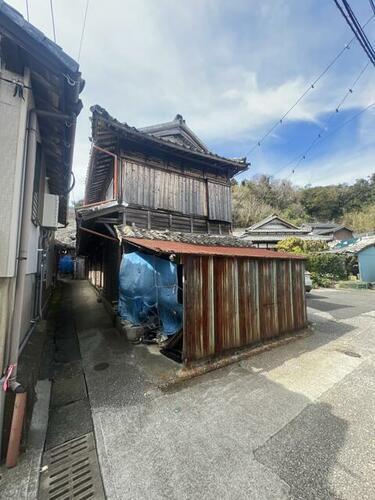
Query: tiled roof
point(239, 164)
point(66, 236)
point(355, 247)
point(37, 36)
point(330, 230)
point(125, 232)
point(270, 218)
point(278, 237)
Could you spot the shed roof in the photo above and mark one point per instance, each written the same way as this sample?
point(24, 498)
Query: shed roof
point(180, 248)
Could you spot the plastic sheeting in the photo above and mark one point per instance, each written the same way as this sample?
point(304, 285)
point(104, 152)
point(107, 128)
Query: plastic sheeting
point(149, 287)
point(66, 264)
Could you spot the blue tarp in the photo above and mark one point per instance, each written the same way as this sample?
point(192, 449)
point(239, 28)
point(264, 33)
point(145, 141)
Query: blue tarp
point(66, 264)
point(148, 287)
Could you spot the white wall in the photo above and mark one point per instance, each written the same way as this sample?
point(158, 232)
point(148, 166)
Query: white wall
point(32, 256)
point(13, 115)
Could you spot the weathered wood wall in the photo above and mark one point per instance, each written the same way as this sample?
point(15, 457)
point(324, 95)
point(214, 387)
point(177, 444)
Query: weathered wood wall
point(161, 220)
point(187, 191)
point(235, 302)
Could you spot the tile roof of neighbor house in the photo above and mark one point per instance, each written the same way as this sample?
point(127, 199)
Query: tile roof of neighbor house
point(330, 230)
point(180, 248)
point(355, 247)
point(65, 237)
point(258, 238)
point(271, 218)
point(317, 225)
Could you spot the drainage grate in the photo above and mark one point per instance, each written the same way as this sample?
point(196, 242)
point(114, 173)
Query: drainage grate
point(71, 471)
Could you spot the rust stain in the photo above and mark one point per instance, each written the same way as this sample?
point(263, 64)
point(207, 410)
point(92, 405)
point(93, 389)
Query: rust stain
point(231, 303)
point(181, 248)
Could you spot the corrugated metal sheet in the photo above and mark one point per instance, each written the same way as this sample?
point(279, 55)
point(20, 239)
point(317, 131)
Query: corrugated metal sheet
point(230, 303)
point(177, 247)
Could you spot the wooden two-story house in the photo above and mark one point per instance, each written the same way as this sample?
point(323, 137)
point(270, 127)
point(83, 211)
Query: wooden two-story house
point(164, 176)
point(159, 191)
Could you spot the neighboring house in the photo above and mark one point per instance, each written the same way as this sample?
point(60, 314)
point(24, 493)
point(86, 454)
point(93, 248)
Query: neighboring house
point(364, 249)
point(39, 103)
point(331, 230)
point(159, 203)
point(269, 231)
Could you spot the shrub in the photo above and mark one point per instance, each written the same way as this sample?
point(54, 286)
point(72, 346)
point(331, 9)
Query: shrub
point(300, 246)
point(326, 268)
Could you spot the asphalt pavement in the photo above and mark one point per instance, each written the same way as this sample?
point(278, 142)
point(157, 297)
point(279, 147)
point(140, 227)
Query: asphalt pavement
point(293, 422)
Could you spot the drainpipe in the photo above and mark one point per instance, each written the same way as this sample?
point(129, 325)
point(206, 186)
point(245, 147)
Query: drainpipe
point(23, 251)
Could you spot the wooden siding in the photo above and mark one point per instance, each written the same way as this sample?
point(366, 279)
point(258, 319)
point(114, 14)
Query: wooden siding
point(159, 189)
point(162, 220)
point(231, 303)
point(219, 200)
point(183, 192)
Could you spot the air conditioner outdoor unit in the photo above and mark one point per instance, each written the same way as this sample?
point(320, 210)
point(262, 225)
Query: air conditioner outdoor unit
point(50, 211)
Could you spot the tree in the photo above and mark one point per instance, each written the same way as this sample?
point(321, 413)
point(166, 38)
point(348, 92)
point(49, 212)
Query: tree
point(300, 246)
point(362, 220)
point(256, 198)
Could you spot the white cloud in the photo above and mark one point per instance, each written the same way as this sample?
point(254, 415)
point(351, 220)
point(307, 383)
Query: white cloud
point(231, 68)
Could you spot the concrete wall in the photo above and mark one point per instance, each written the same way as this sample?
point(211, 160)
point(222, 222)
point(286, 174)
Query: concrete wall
point(366, 261)
point(28, 305)
point(13, 116)
point(6, 299)
point(13, 123)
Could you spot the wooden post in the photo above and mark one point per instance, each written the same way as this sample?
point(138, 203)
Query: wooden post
point(16, 430)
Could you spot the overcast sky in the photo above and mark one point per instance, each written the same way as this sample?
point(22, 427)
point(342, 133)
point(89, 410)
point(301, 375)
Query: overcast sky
point(231, 68)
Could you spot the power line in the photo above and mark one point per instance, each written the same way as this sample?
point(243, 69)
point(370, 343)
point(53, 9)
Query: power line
point(342, 126)
point(303, 155)
point(27, 11)
point(311, 87)
point(361, 35)
point(83, 30)
point(372, 4)
point(354, 25)
point(53, 21)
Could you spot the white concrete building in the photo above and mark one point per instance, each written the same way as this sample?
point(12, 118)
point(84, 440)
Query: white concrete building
point(39, 103)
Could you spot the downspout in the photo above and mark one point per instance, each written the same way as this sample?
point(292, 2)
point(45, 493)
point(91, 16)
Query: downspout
point(22, 258)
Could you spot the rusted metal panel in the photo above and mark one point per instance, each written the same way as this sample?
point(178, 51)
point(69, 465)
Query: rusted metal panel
point(231, 302)
point(178, 247)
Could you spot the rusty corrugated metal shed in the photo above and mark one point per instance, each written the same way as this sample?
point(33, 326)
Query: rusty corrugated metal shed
point(177, 247)
point(230, 303)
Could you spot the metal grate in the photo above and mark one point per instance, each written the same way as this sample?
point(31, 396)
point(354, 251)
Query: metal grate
point(71, 471)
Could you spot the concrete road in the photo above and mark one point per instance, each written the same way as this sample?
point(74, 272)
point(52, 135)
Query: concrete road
point(294, 422)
